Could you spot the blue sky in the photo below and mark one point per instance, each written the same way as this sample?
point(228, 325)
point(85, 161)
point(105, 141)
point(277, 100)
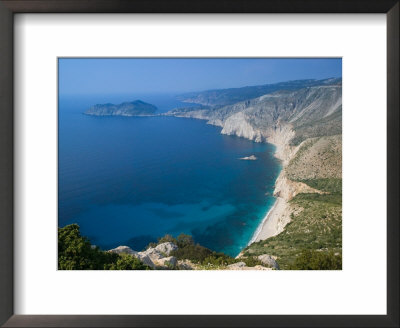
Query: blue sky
point(140, 76)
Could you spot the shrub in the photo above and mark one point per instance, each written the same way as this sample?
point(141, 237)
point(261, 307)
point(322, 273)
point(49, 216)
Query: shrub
point(318, 260)
point(76, 253)
point(194, 253)
point(188, 250)
point(218, 259)
point(167, 238)
point(127, 262)
point(251, 261)
point(184, 240)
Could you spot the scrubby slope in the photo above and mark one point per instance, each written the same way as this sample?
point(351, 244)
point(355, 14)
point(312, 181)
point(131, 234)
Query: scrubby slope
point(315, 221)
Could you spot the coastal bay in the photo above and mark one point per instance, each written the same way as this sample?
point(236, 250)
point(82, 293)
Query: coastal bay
point(187, 178)
point(253, 120)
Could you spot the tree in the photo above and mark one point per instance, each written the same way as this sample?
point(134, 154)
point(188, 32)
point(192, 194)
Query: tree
point(167, 238)
point(128, 262)
point(184, 240)
point(76, 253)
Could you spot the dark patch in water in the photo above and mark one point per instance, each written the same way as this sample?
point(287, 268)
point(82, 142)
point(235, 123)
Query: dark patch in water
point(166, 214)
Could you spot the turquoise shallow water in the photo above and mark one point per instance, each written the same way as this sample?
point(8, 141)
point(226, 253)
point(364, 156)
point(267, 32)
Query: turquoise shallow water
point(129, 180)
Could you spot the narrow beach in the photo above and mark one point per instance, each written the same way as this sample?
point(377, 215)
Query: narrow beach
point(278, 216)
point(270, 224)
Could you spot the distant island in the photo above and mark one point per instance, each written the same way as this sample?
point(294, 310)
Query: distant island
point(133, 108)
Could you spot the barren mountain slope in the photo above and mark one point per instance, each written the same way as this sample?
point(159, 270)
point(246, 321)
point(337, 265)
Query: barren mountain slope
point(309, 112)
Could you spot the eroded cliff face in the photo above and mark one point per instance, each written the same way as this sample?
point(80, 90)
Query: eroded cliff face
point(238, 124)
point(317, 158)
point(279, 118)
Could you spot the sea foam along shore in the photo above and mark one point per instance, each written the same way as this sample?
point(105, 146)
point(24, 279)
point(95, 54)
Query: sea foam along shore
point(278, 216)
point(256, 236)
point(269, 226)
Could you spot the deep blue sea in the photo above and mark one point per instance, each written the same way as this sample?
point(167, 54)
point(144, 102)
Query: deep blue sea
point(130, 180)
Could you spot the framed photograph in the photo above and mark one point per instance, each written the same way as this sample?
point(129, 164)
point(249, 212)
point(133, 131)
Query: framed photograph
point(186, 164)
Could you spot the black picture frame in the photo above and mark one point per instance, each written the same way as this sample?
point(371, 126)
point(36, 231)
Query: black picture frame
point(10, 7)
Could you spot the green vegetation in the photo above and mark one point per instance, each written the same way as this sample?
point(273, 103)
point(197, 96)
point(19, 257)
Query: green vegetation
point(331, 185)
point(315, 260)
point(76, 253)
point(313, 238)
point(316, 226)
point(251, 261)
point(127, 262)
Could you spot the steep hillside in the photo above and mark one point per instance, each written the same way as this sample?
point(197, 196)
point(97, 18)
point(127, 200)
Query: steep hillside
point(308, 112)
point(224, 97)
point(312, 220)
point(317, 158)
point(315, 225)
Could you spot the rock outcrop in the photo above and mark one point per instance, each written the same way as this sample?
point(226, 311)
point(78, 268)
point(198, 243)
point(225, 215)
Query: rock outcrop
point(243, 266)
point(159, 258)
point(186, 265)
point(123, 250)
point(155, 257)
point(269, 261)
point(166, 248)
point(236, 266)
point(168, 262)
